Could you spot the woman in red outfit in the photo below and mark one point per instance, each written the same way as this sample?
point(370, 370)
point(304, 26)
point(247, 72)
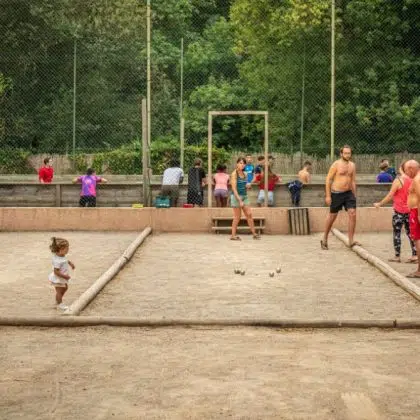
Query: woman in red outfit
point(46, 173)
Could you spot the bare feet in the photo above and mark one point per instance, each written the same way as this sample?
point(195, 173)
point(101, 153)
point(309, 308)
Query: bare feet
point(415, 275)
point(324, 245)
point(395, 259)
point(412, 260)
point(355, 243)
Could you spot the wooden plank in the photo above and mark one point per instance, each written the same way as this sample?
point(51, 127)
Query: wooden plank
point(238, 112)
point(396, 277)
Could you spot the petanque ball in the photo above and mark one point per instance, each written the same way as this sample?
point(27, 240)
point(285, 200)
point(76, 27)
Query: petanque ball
point(271, 274)
point(278, 270)
point(242, 272)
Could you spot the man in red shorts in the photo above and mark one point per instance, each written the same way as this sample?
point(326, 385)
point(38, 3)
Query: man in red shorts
point(412, 169)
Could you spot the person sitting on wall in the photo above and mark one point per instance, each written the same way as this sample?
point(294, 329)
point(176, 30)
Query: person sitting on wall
point(172, 178)
point(89, 182)
point(384, 176)
point(295, 187)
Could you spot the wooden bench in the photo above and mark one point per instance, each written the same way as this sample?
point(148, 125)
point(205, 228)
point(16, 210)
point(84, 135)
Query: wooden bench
point(224, 224)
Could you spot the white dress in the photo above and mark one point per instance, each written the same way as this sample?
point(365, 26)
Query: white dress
point(63, 265)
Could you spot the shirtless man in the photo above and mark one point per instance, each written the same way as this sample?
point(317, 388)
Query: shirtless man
point(304, 175)
point(412, 169)
point(340, 191)
point(295, 187)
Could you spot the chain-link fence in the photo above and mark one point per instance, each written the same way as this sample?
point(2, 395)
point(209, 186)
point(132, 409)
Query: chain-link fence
point(73, 74)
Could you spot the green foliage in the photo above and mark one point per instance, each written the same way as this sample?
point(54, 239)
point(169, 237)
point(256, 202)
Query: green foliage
point(15, 161)
point(239, 54)
point(164, 151)
point(128, 160)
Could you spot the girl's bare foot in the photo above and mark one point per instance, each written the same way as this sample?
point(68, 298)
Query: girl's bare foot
point(395, 259)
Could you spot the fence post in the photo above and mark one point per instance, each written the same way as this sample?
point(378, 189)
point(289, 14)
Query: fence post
point(145, 153)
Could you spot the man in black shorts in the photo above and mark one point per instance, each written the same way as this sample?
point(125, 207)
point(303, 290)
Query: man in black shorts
point(340, 189)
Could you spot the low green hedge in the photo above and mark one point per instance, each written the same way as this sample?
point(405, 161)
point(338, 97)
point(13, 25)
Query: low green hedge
point(15, 161)
point(128, 161)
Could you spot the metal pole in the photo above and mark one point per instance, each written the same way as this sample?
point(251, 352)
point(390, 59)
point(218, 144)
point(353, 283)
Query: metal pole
point(145, 150)
point(302, 111)
point(74, 99)
point(266, 159)
point(181, 106)
point(182, 145)
point(149, 73)
point(332, 79)
point(209, 159)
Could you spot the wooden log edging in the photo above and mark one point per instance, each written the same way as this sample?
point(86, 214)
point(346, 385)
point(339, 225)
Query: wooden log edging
point(88, 295)
point(385, 268)
point(95, 321)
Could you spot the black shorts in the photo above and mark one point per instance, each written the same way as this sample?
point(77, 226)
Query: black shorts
point(342, 199)
point(87, 201)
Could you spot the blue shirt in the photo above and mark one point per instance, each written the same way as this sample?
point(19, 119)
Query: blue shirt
point(392, 172)
point(249, 170)
point(384, 177)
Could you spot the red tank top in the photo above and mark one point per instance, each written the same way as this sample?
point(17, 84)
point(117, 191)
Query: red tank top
point(401, 196)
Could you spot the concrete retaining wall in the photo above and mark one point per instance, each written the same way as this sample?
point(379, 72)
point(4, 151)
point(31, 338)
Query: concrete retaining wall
point(172, 220)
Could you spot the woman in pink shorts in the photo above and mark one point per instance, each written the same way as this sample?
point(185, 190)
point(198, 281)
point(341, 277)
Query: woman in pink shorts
point(221, 181)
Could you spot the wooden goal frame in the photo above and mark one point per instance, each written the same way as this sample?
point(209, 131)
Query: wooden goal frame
point(213, 114)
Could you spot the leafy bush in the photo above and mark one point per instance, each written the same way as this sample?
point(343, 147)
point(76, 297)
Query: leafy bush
point(15, 161)
point(127, 160)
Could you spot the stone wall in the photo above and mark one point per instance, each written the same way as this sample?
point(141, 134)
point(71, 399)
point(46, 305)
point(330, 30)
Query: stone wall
point(125, 194)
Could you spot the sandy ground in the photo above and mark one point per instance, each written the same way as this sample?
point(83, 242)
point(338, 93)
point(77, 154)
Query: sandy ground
point(107, 373)
point(26, 262)
point(381, 245)
point(191, 276)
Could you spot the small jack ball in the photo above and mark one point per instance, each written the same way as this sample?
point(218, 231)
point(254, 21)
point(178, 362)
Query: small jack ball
point(278, 270)
point(271, 274)
point(242, 272)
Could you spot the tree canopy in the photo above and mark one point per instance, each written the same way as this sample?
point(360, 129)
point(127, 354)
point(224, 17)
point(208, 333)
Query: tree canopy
point(239, 54)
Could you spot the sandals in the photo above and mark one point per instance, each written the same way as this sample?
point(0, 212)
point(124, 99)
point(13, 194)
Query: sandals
point(237, 238)
point(324, 245)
